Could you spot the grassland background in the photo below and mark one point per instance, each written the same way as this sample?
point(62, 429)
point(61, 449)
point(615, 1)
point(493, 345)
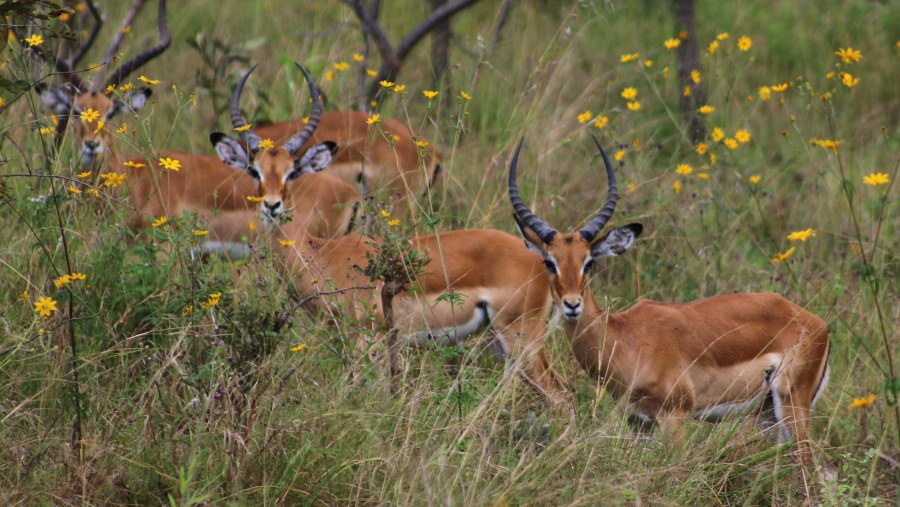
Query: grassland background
point(173, 410)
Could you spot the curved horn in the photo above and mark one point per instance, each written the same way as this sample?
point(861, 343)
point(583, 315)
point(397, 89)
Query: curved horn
point(237, 119)
point(593, 227)
point(164, 40)
point(112, 51)
point(299, 139)
point(525, 215)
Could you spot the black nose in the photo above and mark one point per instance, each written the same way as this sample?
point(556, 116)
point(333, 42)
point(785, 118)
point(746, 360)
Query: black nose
point(92, 144)
point(269, 205)
point(571, 305)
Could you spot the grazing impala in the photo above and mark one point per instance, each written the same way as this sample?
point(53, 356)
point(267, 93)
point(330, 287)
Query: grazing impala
point(201, 184)
point(508, 293)
point(666, 361)
point(382, 156)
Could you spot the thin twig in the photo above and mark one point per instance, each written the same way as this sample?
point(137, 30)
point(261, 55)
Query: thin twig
point(284, 317)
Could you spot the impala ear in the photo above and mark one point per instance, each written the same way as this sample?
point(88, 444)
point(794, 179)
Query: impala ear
point(616, 241)
point(232, 153)
point(316, 158)
point(134, 101)
point(55, 98)
point(532, 240)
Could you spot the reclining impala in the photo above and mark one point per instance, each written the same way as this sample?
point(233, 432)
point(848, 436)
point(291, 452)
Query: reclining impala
point(666, 361)
point(508, 293)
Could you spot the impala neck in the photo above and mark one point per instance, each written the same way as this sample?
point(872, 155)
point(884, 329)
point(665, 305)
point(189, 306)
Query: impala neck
point(593, 337)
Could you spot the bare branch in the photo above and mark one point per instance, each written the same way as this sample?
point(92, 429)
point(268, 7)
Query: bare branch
point(286, 316)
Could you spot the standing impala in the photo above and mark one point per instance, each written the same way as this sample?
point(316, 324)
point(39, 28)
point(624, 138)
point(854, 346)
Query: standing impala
point(666, 361)
point(508, 293)
point(201, 184)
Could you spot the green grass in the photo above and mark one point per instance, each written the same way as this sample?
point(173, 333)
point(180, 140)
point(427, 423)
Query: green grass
point(190, 409)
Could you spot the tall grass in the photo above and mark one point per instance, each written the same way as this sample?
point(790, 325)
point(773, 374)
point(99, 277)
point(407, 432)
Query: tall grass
point(189, 403)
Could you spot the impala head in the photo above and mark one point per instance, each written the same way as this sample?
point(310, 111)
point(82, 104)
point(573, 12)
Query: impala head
point(570, 258)
point(273, 168)
point(89, 106)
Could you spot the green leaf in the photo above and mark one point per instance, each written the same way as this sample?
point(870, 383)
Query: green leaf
point(14, 86)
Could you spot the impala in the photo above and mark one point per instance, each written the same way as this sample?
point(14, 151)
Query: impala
point(667, 361)
point(202, 184)
point(382, 156)
point(508, 293)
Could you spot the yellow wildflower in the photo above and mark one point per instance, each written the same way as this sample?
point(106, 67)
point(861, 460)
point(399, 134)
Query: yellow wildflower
point(372, 72)
point(684, 169)
point(266, 144)
point(159, 222)
point(875, 179)
point(90, 115)
point(783, 257)
point(253, 198)
point(245, 128)
point(78, 276)
point(170, 163)
point(94, 192)
point(399, 88)
point(35, 40)
point(745, 43)
point(629, 93)
point(329, 75)
point(358, 57)
point(125, 87)
point(672, 43)
point(394, 222)
point(722, 36)
point(24, 296)
point(780, 88)
point(713, 47)
point(430, 94)
point(629, 57)
point(848, 80)
point(71, 188)
point(765, 93)
point(742, 135)
point(701, 148)
point(665, 73)
point(706, 109)
point(373, 120)
point(200, 232)
point(731, 143)
point(187, 310)
point(755, 179)
point(385, 213)
point(695, 76)
point(634, 106)
point(45, 306)
point(62, 281)
point(46, 130)
point(340, 66)
point(133, 164)
point(585, 117)
point(298, 348)
point(148, 80)
point(802, 235)
point(421, 144)
point(386, 84)
point(619, 155)
point(213, 300)
point(100, 125)
point(703, 176)
point(123, 129)
point(112, 180)
point(601, 122)
point(863, 402)
point(465, 96)
point(848, 55)
point(286, 243)
point(677, 186)
point(718, 134)
point(648, 63)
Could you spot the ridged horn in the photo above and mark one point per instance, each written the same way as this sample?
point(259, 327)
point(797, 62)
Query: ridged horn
point(525, 215)
point(299, 139)
point(237, 119)
point(141, 59)
point(596, 224)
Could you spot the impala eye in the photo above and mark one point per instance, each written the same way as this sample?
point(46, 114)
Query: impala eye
point(551, 267)
point(253, 173)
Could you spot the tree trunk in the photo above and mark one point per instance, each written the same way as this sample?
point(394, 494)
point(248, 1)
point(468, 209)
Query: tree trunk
point(689, 60)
